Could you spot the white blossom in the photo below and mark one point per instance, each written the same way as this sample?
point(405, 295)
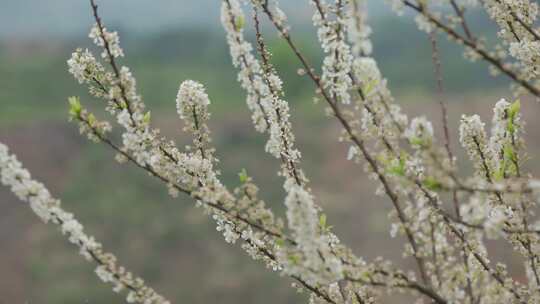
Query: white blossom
point(318, 264)
point(474, 139)
point(420, 132)
point(337, 63)
point(110, 41)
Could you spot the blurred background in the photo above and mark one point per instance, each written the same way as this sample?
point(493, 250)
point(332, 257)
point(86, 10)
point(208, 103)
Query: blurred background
point(168, 241)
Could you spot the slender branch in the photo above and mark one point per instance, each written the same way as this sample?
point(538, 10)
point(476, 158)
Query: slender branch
point(460, 12)
point(267, 68)
point(444, 115)
point(111, 58)
point(475, 47)
point(180, 188)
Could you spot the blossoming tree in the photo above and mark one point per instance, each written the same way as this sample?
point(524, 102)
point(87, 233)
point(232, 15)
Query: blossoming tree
point(445, 215)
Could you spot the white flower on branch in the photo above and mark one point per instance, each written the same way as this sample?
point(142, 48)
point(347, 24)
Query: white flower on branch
point(315, 260)
point(474, 139)
point(337, 63)
point(110, 41)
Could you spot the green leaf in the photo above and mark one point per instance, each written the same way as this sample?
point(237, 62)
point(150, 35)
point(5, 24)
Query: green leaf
point(369, 86)
point(509, 153)
point(75, 107)
point(509, 161)
point(513, 111)
point(383, 160)
point(416, 141)
point(91, 119)
point(499, 174)
point(322, 221)
point(294, 259)
point(146, 118)
point(398, 169)
point(243, 176)
point(239, 23)
point(432, 184)
point(510, 126)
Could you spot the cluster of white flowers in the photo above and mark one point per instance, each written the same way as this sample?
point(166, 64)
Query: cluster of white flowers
point(192, 105)
point(314, 254)
point(264, 90)
point(191, 99)
point(233, 21)
point(48, 209)
point(500, 160)
point(110, 41)
point(396, 5)
point(423, 23)
point(358, 30)
point(420, 132)
point(473, 138)
point(381, 117)
point(505, 136)
point(83, 66)
point(338, 60)
point(86, 69)
point(306, 260)
point(512, 16)
point(528, 53)
point(516, 20)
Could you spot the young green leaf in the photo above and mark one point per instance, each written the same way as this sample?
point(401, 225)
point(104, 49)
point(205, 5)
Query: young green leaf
point(75, 107)
point(239, 23)
point(243, 176)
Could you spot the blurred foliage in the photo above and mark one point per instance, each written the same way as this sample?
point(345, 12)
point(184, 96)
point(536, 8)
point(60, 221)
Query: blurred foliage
point(35, 82)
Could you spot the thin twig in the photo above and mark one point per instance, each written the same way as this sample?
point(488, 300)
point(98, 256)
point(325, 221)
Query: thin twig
point(476, 48)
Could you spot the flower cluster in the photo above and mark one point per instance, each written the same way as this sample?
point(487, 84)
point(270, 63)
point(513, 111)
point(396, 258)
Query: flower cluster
point(83, 66)
point(314, 246)
point(420, 132)
point(473, 138)
point(337, 63)
point(505, 138)
point(516, 20)
point(110, 41)
point(233, 21)
point(264, 86)
point(358, 29)
point(192, 106)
